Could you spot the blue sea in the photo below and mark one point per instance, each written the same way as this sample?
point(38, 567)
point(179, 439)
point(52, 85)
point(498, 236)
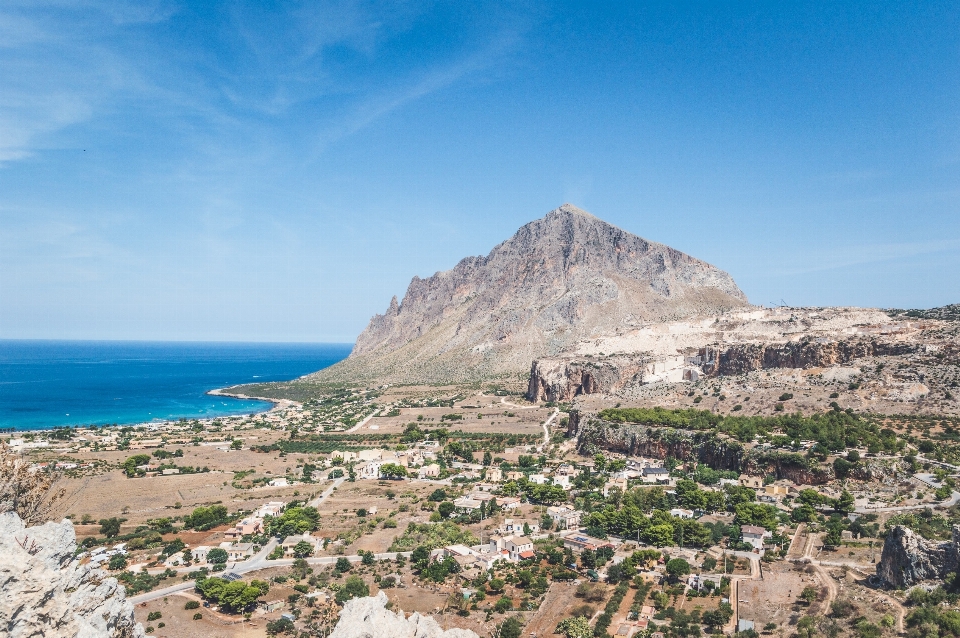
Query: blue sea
point(45, 384)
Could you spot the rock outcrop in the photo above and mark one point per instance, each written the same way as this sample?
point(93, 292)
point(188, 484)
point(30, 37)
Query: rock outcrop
point(908, 559)
point(369, 618)
point(561, 279)
point(806, 353)
point(564, 379)
point(45, 592)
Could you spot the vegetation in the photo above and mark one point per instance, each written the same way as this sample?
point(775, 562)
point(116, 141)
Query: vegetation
point(432, 536)
point(233, 596)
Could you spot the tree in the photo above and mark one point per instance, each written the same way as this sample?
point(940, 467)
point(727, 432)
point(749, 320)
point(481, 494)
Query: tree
point(110, 527)
point(576, 627)
point(343, 565)
point(366, 558)
point(31, 494)
point(437, 495)
point(511, 628)
point(446, 509)
point(487, 458)
point(496, 585)
point(420, 557)
point(845, 503)
point(809, 594)
point(280, 626)
point(217, 555)
point(393, 471)
point(303, 549)
point(117, 561)
point(599, 462)
point(354, 587)
point(236, 444)
point(677, 567)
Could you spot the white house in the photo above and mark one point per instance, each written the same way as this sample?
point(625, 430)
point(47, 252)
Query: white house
point(520, 547)
point(564, 517)
point(754, 536)
point(681, 513)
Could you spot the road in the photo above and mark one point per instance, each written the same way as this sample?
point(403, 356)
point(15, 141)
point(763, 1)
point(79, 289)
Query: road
point(546, 427)
point(363, 423)
point(950, 502)
point(327, 492)
point(257, 563)
point(735, 588)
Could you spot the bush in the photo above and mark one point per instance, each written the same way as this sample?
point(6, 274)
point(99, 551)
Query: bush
point(511, 628)
point(280, 626)
point(197, 616)
point(353, 588)
point(153, 615)
point(192, 604)
point(502, 605)
point(343, 565)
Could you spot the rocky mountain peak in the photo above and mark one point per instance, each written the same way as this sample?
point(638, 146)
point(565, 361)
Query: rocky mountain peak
point(565, 277)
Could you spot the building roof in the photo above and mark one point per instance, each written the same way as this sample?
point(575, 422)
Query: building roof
point(752, 529)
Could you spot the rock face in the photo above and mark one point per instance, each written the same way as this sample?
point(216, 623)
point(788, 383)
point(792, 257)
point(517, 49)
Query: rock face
point(745, 358)
point(562, 379)
point(563, 278)
point(369, 618)
point(908, 559)
point(45, 592)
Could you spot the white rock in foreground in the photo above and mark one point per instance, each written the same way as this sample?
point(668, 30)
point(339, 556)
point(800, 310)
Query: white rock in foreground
point(45, 592)
point(369, 618)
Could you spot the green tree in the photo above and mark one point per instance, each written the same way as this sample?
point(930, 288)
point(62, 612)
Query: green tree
point(303, 549)
point(393, 471)
point(677, 567)
point(510, 628)
point(217, 555)
point(117, 561)
point(809, 594)
point(446, 509)
point(110, 527)
point(354, 587)
point(845, 503)
point(343, 565)
point(576, 627)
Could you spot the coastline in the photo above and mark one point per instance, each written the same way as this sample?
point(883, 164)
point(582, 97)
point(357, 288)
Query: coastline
point(278, 404)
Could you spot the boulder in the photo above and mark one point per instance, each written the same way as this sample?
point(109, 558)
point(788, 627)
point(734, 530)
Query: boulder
point(45, 591)
point(908, 559)
point(369, 618)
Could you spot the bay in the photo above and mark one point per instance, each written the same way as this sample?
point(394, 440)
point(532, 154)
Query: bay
point(45, 384)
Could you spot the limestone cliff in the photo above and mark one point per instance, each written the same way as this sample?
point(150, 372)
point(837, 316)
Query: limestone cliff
point(908, 559)
point(804, 353)
point(563, 278)
point(369, 618)
point(44, 591)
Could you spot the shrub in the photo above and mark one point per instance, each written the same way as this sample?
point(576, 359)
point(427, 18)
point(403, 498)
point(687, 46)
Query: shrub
point(280, 626)
point(192, 604)
point(197, 616)
point(153, 615)
point(353, 588)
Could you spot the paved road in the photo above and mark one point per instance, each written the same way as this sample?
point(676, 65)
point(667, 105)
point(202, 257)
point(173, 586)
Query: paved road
point(327, 492)
point(256, 563)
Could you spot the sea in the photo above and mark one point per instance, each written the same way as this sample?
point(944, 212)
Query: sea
point(46, 384)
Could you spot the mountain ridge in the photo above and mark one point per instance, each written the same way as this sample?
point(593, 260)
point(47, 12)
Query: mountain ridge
point(560, 279)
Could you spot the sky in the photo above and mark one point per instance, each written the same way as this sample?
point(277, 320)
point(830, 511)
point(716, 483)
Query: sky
point(276, 171)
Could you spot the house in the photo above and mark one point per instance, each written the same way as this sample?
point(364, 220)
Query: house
point(520, 548)
point(564, 517)
point(484, 487)
point(487, 560)
point(279, 482)
point(656, 475)
point(245, 527)
point(508, 502)
point(562, 480)
point(370, 470)
point(273, 508)
point(238, 551)
point(481, 496)
point(512, 526)
point(467, 504)
point(775, 489)
point(429, 471)
point(369, 455)
point(753, 482)
point(681, 513)
point(291, 541)
point(754, 536)
point(515, 476)
point(619, 483)
point(199, 553)
point(494, 474)
point(345, 456)
point(579, 542)
point(539, 479)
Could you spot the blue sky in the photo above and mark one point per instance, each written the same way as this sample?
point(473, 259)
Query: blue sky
point(277, 171)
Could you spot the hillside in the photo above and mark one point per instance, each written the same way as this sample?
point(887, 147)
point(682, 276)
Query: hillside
point(560, 280)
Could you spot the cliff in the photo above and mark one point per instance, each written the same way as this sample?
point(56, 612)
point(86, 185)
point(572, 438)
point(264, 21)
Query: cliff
point(805, 353)
point(44, 591)
point(908, 559)
point(718, 452)
point(561, 279)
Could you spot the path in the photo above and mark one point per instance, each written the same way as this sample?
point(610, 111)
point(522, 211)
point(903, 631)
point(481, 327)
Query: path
point(362, 423)
point(825, 576)
point(258, 563)
point(735, 590)
point(953, 500)
point(327, 492)
point(546, 427)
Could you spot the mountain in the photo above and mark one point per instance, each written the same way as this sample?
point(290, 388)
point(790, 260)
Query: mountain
point(559, 280)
